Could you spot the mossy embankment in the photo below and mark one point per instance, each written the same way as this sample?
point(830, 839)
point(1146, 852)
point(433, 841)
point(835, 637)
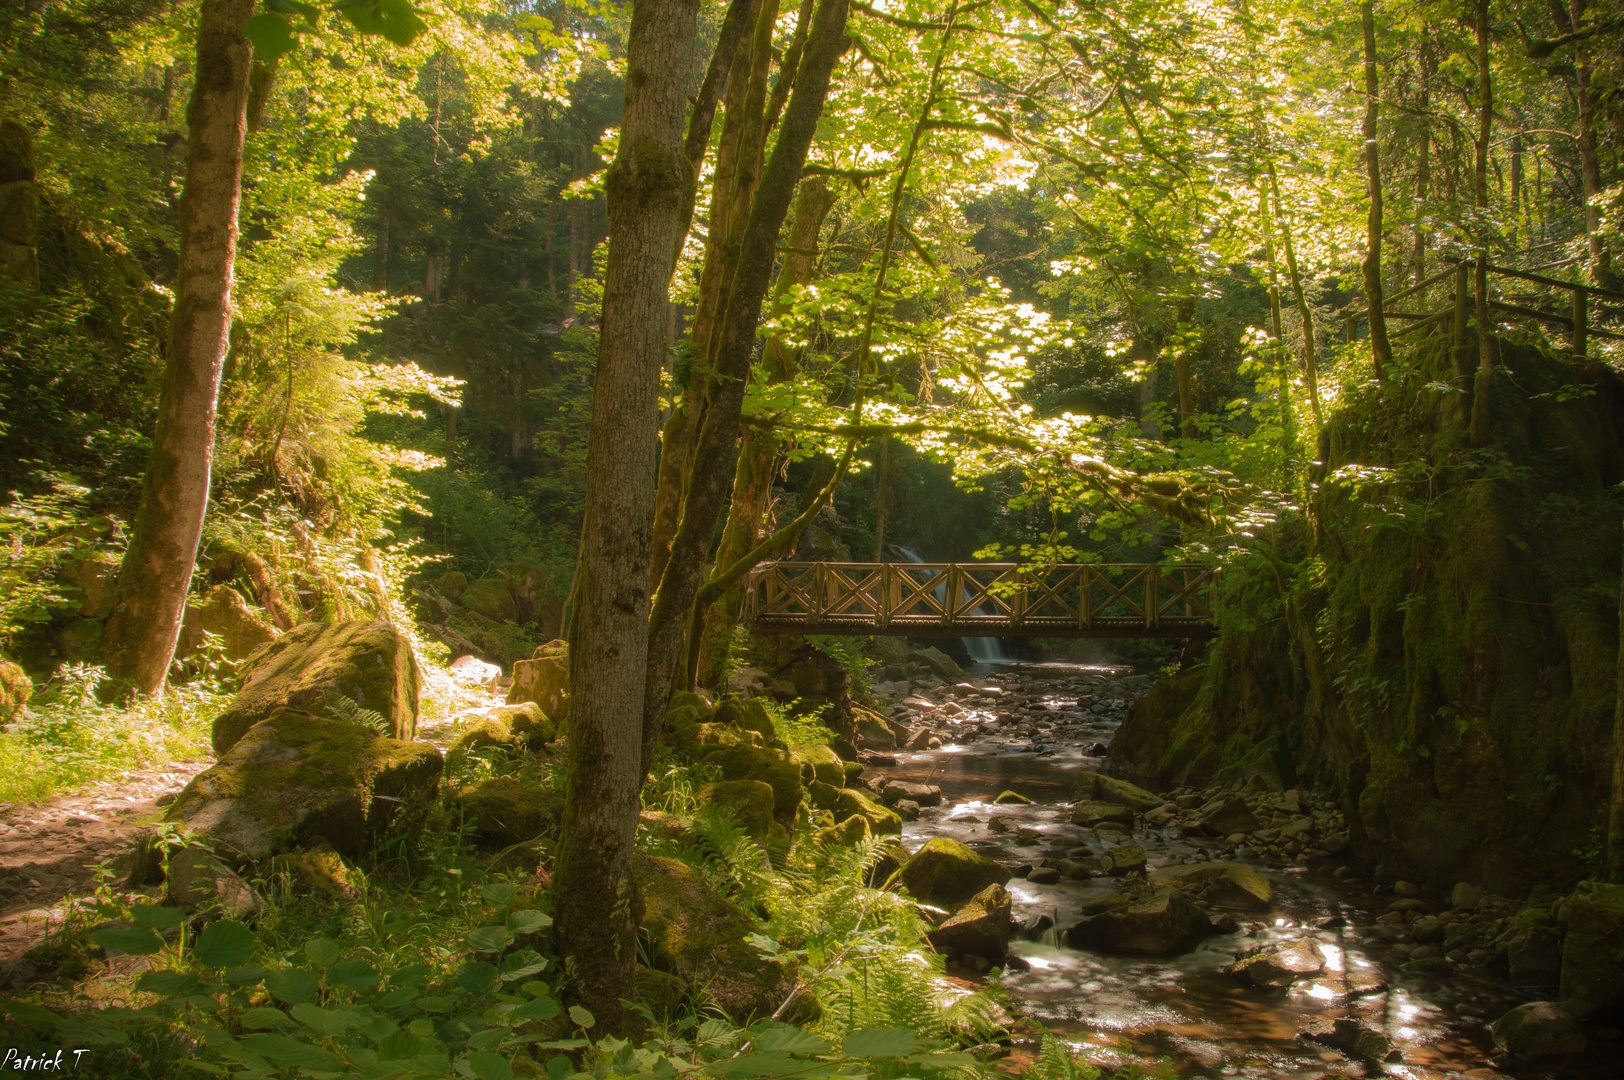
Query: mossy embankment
point(1437, 643)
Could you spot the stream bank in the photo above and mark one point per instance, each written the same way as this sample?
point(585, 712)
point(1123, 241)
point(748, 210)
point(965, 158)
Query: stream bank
point(1402, 984)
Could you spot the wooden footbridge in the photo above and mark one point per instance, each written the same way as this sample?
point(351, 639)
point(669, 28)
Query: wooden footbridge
point(1104, 600)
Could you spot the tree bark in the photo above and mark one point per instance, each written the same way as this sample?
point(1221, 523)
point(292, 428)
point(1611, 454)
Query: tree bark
point(1601, 270)
point(1310, 361)
point(149, 598)
point(19, 206)
point(1423, 160)
point(1615, 810)
point(1483, 385)
point(595, 898)
point(1381, 351)
point(708, 479)
point(1288, 419)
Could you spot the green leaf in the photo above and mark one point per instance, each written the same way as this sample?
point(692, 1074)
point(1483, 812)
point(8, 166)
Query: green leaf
point(224, 944)
point(490, 939)
point(322, 952)
point(355, 975)
point(411, 975)
point(329, 1021)
point(286, 1052)
point(784, 1038)
point(135, 940)
point(292, 7)
point(291, 986)
point(581, 1018)
point(760, 1065)
point(884, 1042)
point(157, 918)
point(478, 978)
point(522, 965)
point(167, 983)
point(395, 20)
point(41, 1020)
point(245, 975)
point(489, 1066)
point(542, 1008)
point(271, 35)
point(499, 894)
point(528, 921)
point(263, 1017)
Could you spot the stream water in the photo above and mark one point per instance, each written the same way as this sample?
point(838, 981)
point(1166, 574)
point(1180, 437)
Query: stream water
point(1183, 1016)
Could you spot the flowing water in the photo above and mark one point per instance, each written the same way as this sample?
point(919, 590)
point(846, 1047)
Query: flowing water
point(1183, 1016)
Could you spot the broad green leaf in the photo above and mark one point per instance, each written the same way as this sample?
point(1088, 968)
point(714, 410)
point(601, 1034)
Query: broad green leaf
point(758, 1065)
point(245, 975)
point(542, 1008)
point(490, 939)
point(93, 1031)
point(291, 986)
point(499, 894)
point(411, 975)
point(41, 1020)
point(157, 918)
point(478, 978)
point(167, 983)
point(883, 1042)
point(263, 1017)
point(489, 1039)
point(324, 953)
point(395, 20)
point(286, 1052)
point(271, 35)
point(135, 940)
point(307, 12)
point(522, 965)
point(328, 1021)
point(783, 1038)
point(489, 1066)
point(353, 975)
point(224, 944)
point(529, 921)
point(581, 1018)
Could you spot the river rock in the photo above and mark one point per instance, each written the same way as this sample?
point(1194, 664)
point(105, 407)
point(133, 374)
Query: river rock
point(1428, 929)
point(1124, 858)
point(1534, 957)
point(505, 810)
point(1089, 814)
point(1222, 817)
point(940, 664)
point(820, 763)
point(544, 679)
point(703, 939)
point(295, 776)
point(1465, 896)
point(1011, 798)
point(1097, 787)
point(1167, 923)
point(945, 873)
point(1043, 875)
point(1231, 885)
point(1351, 1037)
point(1540, 1029)
point(981, 927)
point(1592, 977)
point(222, 612)
point(750, 802)
point(875, 732)
point(1279, 965)
point(370, 663)
point(772, 767)
point(922, 794)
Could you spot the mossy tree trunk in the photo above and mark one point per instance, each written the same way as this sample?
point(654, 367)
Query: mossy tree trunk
point(647, 188)
point(1615, 814)
point(1483, 384)
point(19, 206)
point(1381, 352)
point(149, 598)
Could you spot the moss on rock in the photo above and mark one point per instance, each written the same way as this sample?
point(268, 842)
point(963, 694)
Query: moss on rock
point(747, 714)
point(821, 763)
point(945, 873)
point(1222, 884)
point(750, 802)
point(771, 767)
point(1097, 787)
point(545, 680)
point(505, 810)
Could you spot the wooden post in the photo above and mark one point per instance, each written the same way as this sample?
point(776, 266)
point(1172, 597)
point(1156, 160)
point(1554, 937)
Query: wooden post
point(1581, 322)
point(1347, 329)
point(819, 584)
point(1152, 600)
point(1017, 607)
point(1085, 597)
point(950, 595)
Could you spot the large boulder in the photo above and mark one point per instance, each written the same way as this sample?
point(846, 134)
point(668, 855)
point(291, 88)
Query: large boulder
point(1231, 885)
point(15, 690)
point(749, 802)
point(545, 680)
point(93, 575)
point(1089, 814)
point(747, 714)
point(702, 939)
point(940, 664)
point(1166, 923)
point(197, 881)
point(1226, 817)
point(1540, 1029)
point(492, 597)
point(981, 927)
point(1593, 950)
point(875, 732)
point(370, 663)
point(848, 803)
point(822, 764)
point(1279, 965)
point(1097, 787)
point(945, 873)
point(505, 810)
point(771, 767)
point(223, 613)
point(296, 776)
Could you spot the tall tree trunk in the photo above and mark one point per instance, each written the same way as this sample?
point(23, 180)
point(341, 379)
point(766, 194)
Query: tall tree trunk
point(1615, 815)
point(1423, 161)
point(1181, 370)
point(715, 439)
point(1601, 270)
point(1288, 419)
point(149, 598)
point(1310, 362)
point(19, 206)
point(1483, 385)
point(1381, 352)
point(595, 899)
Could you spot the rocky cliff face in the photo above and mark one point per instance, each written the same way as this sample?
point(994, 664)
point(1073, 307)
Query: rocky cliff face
point(1438, 647)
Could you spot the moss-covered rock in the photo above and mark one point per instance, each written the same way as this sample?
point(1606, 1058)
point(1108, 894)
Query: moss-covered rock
point(980, 927)
point(1280, 964)
point(699, 937)
point(850, 803)
point(1166, 923)
point(317, 870)
point(223, 613)
point(849, 833)
point(1593, 950)
point(1011, 798)
point(453, 584)
point(199, 882)
point(530, 725)
point(945, 873)
point(1090, 814)
point(1097, 787)
point(873, 730)
point(822, 764)
point(492, 597)
point(482, 734)
point(370, 663)
point(771, 767)
point(545, 680)
point(505, 810)
point(750, 802)
point(747, 714)
point(1231, 885)
point(295, 777)
point(15, 690)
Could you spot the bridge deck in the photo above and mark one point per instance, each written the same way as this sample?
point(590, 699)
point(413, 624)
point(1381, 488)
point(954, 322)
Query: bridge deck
point(980, 599)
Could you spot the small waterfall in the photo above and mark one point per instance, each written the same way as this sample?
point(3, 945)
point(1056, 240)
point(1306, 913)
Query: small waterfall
point(984, 650)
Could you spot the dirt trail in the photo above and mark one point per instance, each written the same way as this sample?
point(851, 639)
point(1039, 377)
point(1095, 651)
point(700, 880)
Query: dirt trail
point(51, 848)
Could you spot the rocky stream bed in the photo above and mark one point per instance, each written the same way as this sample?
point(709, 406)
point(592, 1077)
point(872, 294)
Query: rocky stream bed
point(1308, 969)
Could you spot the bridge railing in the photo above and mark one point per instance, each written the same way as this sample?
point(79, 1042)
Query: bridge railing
point(980, 599)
